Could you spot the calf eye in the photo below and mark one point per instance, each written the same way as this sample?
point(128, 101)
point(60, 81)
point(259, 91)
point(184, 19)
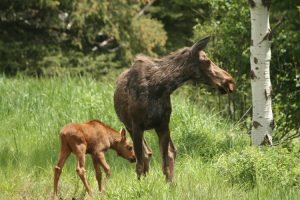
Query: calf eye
point(129, 148)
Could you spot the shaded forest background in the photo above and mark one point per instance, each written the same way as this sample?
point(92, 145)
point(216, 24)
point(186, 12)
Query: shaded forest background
point(98, 38)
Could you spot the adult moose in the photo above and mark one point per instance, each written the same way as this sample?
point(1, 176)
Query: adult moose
point(142, 97)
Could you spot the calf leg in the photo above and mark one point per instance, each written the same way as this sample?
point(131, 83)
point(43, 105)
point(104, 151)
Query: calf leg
point(98, 172)
point(80, 154)
point(168, 152)
point(63, 155)
point(105, 166)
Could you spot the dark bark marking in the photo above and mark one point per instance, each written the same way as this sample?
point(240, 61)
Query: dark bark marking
point(255, 60)
point(252, 75)
point(251, 43)
point(256, 124)
point(252, 3)
point(272, 124)
point(266, 3)
point(270, 35)
point(266, 141)
point(266, 94)
point(256, 68)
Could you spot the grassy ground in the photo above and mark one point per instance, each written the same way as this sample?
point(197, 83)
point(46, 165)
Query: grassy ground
point(34, 110)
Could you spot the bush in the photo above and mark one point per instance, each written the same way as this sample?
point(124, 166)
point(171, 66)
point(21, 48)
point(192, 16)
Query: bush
point(252, 166)
point(54, 37)
point(204, 134)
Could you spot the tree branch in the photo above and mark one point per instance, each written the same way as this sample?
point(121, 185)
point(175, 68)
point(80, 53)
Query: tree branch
point(145, 8)
point(270, 34)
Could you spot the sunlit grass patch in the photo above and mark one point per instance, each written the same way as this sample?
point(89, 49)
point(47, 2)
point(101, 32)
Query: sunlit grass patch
point(34, 110)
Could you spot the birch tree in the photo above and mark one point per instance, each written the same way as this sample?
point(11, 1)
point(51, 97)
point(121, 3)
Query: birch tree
point(260, 58)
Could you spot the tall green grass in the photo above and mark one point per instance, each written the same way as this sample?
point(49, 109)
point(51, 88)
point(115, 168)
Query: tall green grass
point(34, 110)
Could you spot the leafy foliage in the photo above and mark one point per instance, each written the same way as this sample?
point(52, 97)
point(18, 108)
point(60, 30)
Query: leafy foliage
point(285, 64)
point(179, 17)
point(213, 156)
point(45, 35)
point(229, 25)
point(254, 166)
point(52, 37)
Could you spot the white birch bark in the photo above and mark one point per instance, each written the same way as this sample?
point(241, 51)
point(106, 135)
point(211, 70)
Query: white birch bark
point(260, 58)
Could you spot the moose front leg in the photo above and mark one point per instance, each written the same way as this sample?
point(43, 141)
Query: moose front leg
point(168, 151)
point(137, 137)
point(147, 153)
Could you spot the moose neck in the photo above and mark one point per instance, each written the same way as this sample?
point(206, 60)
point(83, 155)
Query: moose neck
point(170, 76)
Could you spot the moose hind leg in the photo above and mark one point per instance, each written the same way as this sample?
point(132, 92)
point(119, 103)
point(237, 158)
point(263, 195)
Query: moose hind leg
point(172, 151)
point(168, 152)
point(147, 156)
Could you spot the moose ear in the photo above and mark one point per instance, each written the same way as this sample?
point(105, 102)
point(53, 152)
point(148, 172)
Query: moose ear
point(123, 133)
point(200, 45)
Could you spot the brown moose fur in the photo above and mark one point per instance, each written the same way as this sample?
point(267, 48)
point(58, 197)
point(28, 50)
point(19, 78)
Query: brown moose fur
point(95, 138)
point(142, 97)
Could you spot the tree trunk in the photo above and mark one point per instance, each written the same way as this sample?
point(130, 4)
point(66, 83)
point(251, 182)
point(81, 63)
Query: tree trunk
point(263, 122)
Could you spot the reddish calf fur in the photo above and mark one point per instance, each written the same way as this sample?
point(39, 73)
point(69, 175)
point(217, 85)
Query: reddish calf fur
point(95, 138)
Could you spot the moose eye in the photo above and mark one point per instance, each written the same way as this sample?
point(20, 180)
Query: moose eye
point(129, 148)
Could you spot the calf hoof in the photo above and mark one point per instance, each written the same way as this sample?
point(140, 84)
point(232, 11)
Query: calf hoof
point(90, 193)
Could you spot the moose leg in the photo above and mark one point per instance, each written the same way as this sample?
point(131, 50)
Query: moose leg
point(63, 155)
point(138, 150)
point(97, 172)
point(168, 152)
point(146, 155)
point(80, 154)
point(172, 154)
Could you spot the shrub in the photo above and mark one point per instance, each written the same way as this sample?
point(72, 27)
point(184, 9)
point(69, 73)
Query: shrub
point(273, 166)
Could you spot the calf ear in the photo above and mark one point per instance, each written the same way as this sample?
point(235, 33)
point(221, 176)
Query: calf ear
point(200, 45)
point(123, 133)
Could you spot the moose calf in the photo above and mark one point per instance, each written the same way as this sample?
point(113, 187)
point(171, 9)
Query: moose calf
point(95, 138)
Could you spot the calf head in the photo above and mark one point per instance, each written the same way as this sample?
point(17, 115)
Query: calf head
point(125, 147)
